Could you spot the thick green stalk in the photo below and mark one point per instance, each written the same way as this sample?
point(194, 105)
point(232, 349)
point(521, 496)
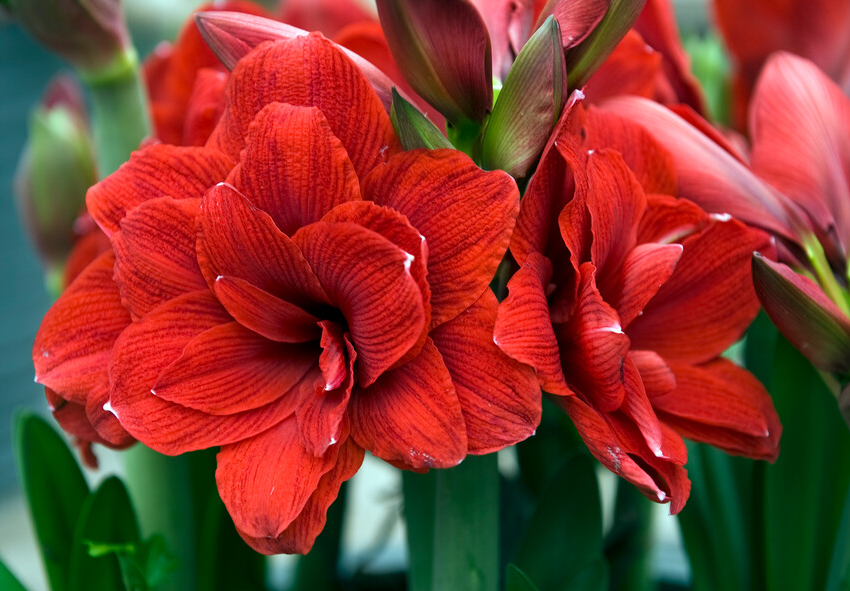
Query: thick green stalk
point(119, 111)
point(161, 489)
point(453, 526)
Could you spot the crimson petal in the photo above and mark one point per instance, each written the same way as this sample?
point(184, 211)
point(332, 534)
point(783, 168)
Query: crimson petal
point(368, 279)
point(299, 535)
point(411, 415)
point(296, 71)
point(155, 171)
point(465, 214)
point(500, 397)
point(266, 480)
point(293, 167)
point(72, 347)
point(229, 369)
point(155, 254)
point(149, 346)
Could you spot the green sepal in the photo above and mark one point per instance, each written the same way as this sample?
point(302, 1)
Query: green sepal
point(414, 129)
point(8, 581)
point(529, 104)
point(55, 491)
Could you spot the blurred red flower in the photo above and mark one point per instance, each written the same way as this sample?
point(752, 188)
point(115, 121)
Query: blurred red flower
point(626, 298)
point(296, 291)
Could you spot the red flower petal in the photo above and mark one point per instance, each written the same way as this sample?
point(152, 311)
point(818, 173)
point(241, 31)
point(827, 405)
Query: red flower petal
point(299, 535)
point(266, 480)
point(229, 369)
point(104, 422)
point(206, 105)
point(155, 171)
point(708, 302)
point(800, 121)
point(499, 397)
point(296, 71)
point(645, 270)
point(322, 409)
point(72, 347)
point(235, 239)
point(466, 216)
point(593, 347)
point(411, 414)
point(708, 175)
point(149, 346)
point(668, 220)
point(368, 279)
point(264, 313)
point(393, 226)
point(632, 68)
point(293, 167)
point(155, 254)
point(523, 328)
point(72, 417)
point(723, 405)
point(656, 375)
point(650, 162)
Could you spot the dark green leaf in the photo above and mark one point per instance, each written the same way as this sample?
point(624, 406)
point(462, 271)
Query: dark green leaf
point(55, 490)
point(839, 570)
point(593, 577)
point(806, 489)
point(414, 129)
point(629, 543)
point(106, 527)
point(516, 580)
point(567, 522)
point(8, 581)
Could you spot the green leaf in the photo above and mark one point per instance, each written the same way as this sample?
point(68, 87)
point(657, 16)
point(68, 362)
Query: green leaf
point(839, 570)
point(55, 490)
point(453, 526)
point(516, 580)
point(805, 490)
point(414, 129)
point(629, 542)
point(106, 527)
point(8, 581)
point(568, 521)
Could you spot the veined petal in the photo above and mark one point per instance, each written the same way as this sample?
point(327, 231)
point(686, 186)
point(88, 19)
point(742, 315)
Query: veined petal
point(72, 348)
point(723, 405)
point(104, 422)
point(266, 480)
point(632, 68)
point(523, 328)
point(300, 534)
point(593, 346)
point(656, 375)
point(800, 122)
point(465, 214)
point(293, 167)
point(368, 279)
point(296, 71)
point(411, 415)
point(644, 271)
point(206, 104)
point(713, 277)
point(229, 369)
point(155, 253)
point(155, 171)
point(235, 239)
point(499, 397)
point(149, 346)
point(708, 175)
point(265, 314)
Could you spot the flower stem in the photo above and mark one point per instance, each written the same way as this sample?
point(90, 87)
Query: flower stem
point(119, 111)
point(453, 526)
point(161, 489)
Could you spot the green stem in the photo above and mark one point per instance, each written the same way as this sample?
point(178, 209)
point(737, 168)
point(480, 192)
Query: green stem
point(453, 526)
point(119, 111)
point(817, 257)
point(161, 489)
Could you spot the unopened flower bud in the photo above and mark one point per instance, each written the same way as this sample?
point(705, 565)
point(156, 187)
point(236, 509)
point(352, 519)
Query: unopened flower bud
point(55, 170)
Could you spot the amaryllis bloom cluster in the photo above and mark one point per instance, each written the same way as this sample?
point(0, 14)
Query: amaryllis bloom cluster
point(295, 292)
point(625, 299)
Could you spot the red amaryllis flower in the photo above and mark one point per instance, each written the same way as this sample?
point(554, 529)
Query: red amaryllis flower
point(185, 82)
point(626, 298)
point(295, 292)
